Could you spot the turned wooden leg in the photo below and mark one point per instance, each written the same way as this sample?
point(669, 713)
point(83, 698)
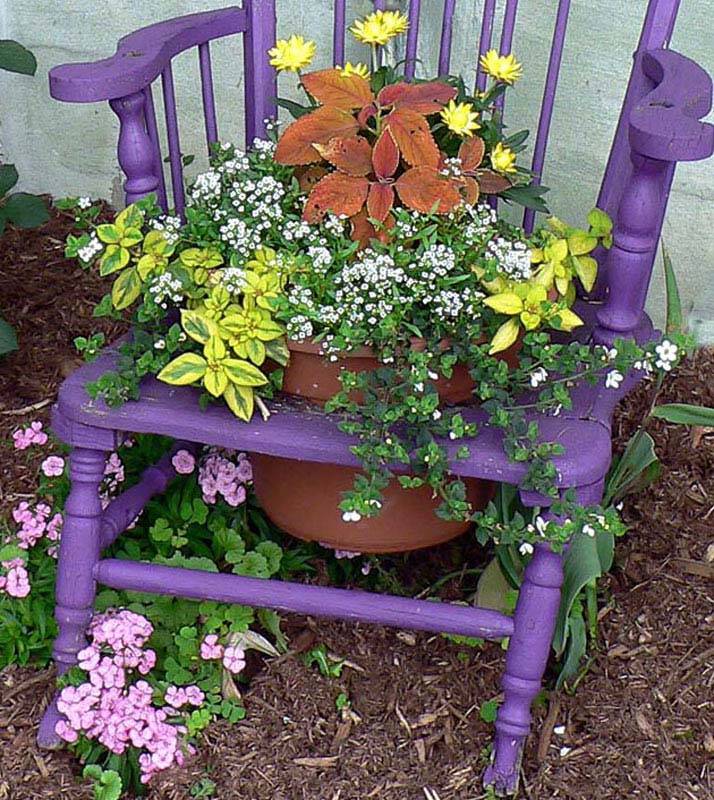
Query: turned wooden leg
point(78, 556)
point(526, 659)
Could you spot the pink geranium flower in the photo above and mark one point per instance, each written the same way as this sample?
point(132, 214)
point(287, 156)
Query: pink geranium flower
point(53, 466)
point(183, 462)
point(234, 659)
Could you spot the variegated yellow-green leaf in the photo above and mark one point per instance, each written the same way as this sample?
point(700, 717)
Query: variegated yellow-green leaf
point(580, 243)
point(586, 267)
point(155, 242)
point(278, 351)
point(199, 327)
point(126, 288)
point(113, 259)
point(215, 381)
point(130, 237)
point(545, 275)
point(562, 283)
point(214, 349)
point(505, 336)
point(568, 319)
point(505, 303)
point(269, 330)
point(239, 400)
point(530, 320)
point(206, 257)
point(110, 234)
point(600, 222)
point(187, 368)
point(130, 217)
point(557, 250)
point(255, 350)
point(243, 373)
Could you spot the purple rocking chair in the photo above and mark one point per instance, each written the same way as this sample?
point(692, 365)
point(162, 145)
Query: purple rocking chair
point(659, 125)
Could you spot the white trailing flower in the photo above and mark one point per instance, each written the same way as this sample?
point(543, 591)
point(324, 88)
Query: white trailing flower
point(526, 549)
point(538, 376)
point(613, 379)
point(667, 352)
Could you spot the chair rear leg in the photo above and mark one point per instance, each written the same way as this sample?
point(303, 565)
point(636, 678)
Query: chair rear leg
point(76, 588)
point(526, 660)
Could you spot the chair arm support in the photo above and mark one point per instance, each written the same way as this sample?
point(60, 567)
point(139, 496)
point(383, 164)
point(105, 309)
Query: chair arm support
point(663, 128)
point(665, 123)
point(142, 56)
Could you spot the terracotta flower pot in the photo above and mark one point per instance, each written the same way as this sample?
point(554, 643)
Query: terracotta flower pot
point(303, 498)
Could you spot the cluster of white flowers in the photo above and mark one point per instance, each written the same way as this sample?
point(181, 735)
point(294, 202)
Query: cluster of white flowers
point(514, 258)
point(452, 168)
point(483, 218)
point(232, 279)
point(613, 379)
point(320, 257)
point(265, 148)
point(299, 328)
point(296, 230)
point(240, 236)
point(450, 303)
point(207, 188)
point(667, 355)
point(335, 224)
point(166, 287)
point(90, 250)
point(435, 262)
point(169, 226)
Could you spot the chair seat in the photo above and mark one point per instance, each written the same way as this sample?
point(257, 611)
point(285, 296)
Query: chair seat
point(305, 433)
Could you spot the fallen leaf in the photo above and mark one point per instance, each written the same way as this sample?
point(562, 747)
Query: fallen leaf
point(318, 763)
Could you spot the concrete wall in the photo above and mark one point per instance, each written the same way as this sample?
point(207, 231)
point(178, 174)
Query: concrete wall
point(66, 149)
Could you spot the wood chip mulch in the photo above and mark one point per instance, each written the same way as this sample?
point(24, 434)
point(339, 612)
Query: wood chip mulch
point(641, 724)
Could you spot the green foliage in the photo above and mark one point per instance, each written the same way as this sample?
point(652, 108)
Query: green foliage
point(16, 58)
point(488, 710)
point(329, 667)
point(203, 788)
point(675, 319)
point(685, 414)
point(107, 783)
point(635, 469)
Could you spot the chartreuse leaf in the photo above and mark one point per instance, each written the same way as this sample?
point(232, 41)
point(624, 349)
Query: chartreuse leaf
point(243, 373)
point(187, 368)
point(198, 326)
point(685, 414)
point(113, 259)
point(505, 303)
point(215, 381)
point(586, 268)
point(278, 351)
point(601, 226)
point(109, 234)
point(240, 400)
point(126, 288)
point(580, 243)
point(505, 336)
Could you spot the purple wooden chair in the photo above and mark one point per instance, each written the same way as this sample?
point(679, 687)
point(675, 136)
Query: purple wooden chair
point(659, 125)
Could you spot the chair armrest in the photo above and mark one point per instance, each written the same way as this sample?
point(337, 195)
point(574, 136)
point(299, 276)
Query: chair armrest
point(665, 124)
point(142, 56)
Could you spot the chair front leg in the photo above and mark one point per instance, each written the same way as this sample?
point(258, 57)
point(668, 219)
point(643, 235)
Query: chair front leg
point(76, 588)
point(526, 660)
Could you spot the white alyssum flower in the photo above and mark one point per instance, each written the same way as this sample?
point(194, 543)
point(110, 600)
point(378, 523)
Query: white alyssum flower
point(538, 376)
point(90, 250)
point(667, 352)
point(613, 379)
point(526, 549)
point(84, 202)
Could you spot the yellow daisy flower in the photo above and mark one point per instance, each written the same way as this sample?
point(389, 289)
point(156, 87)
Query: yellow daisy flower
point(460, 118)
point(379, 27)
point(503, 68)
point(291, 54)
point(503, 159)
point(354, 69)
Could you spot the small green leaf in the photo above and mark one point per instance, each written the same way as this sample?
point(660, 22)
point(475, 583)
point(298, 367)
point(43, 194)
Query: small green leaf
point(8, 339)
point(488, 710)
point(685, 414)
point(674, 322)
point(8, 178)
point(16, 58)
point(25, 210)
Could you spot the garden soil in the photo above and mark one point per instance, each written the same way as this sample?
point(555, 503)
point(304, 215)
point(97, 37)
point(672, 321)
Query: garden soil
point(640, 725)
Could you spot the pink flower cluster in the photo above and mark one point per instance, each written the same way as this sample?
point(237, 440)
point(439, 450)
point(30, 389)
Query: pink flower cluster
point(36, 523)
point(113, 472)
point(117, 713)
point(17, 582)
point(233, 658)
point(26, 437)
point(225, 474)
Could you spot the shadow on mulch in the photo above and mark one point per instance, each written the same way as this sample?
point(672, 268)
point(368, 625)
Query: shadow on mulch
point(641, 724)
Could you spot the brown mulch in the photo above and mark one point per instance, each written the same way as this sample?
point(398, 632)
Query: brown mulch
point(641, 724)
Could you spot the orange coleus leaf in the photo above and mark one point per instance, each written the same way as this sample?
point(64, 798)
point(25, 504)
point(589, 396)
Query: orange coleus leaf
point(470, 189)
point(380, 201)
point(308, 176)
point(352, 155)
point(337, 193)
point(491, 182)
point(413, 137)
point(471, 153)
point(424, 98)
point(424, 189)
point(295, 146)
point(363, 231)
point(385, 156)
point(366, 114)
point(331, 88)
